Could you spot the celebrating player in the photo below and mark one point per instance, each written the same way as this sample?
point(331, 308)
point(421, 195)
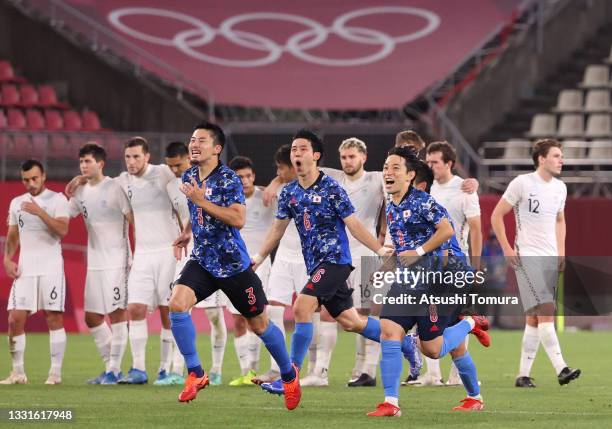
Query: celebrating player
point(538, 200)
point(37, 222)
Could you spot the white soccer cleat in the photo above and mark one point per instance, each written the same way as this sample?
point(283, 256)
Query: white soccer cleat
point(428, 380)
point(454, 380)
point(15, 378)
point(314, 381)
point(53, 379)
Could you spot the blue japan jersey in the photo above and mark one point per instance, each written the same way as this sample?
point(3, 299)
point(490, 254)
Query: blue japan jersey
point(218, 247)
point(318, 213)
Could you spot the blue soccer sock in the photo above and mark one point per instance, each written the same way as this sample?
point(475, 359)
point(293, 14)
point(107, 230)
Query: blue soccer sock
point(454, 336)
point(467, 372)
point(274, 341)
point(300, 340)
point(372, 330)
point(391, 367)
point(185, 336)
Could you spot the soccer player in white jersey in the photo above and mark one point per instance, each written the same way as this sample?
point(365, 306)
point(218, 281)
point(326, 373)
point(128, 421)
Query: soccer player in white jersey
point(106, 211)
point(37, 222)
point(288, 273)
point(538, 200)
point(464, 210)
point(259, 218)
point(152, 272)
point(177, 159)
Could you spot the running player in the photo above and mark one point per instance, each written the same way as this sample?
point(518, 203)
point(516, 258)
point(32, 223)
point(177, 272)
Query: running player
point(258, 220)
point(220, 261)
point(106, 211)
point(37, 222)
point(418, 227)
point(538, 200)
point(177, 159)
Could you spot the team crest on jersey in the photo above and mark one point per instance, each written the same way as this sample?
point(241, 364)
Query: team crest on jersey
point(406, 214)
point(316, 199)
point(433, 313)
point(293, 201)
point(317, 277)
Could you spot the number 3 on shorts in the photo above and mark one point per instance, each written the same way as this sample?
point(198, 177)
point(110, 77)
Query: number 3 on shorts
point(251, 295)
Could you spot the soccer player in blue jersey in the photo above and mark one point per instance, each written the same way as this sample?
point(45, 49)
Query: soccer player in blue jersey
point(219, 261)
point(418, 227)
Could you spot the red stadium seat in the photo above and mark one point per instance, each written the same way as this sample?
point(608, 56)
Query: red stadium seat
point(10, 95)
point(2, 119)
point(29, 96)
point(91, 122)
point(48, 97)
point(16, 119)
point(35, 120)
point(54, 120)
point(72, 120)
point(7, 74)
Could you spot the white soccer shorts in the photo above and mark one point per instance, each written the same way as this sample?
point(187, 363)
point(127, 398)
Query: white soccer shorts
point(151, 278)
point(285, 279)
point(537, 278)
point(106, 290)
point(33, 293)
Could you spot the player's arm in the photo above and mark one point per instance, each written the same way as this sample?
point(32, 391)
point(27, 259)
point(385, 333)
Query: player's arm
point(10, 248)
point(273, 237)
point(560, 229)
point(470, 186)
point(72, 186)
point(233, 215)
point(475, 239)
point(270, 191)
point(502, 208)
point(382, 223)
point(362, 235)
point(57, 226)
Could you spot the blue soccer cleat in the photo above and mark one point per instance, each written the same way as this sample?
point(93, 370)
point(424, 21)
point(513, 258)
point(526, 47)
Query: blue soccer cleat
point(276, 387)
point(97, 380)
point(411, 352)
point(111, 379)
point(134, 376)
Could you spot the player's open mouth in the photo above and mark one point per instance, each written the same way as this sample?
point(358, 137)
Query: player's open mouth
point(389, 181)
point(195, 152)
point(298, 163)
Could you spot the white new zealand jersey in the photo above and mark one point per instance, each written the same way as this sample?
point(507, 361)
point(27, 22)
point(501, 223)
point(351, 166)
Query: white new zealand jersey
point(156, 226)
point(536, 206)
point(367, 195)
point(460, 205)
point(179, 203)
point(104, 207)
point(259, 218)
point(40, 250)
point(290, 246)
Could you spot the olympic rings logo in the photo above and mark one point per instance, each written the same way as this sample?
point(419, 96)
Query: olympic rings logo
point(189, 40)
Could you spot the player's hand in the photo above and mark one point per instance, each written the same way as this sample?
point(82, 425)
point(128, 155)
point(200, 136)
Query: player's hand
point(32, 207)
point(269, 195)
point(512, 257)
point(561, 263)
point(72, 186)
point(408, 257)
point(256, 261)
point(180, 245)
point(11, 268)
point(193, 191)
point(470, 186)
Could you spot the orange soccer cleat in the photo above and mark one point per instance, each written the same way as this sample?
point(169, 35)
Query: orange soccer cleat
point(481, 324)
point(293, 392)
point(193, 384)
point(470, 404)
point(385, 410)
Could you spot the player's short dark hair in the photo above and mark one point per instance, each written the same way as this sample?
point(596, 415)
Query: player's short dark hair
point(409, 155)
point(176, 149)
point(95, 150)
point(215, 130)
point(448, 151)
point(541, 148)
point(424, 174)
point(30, 164)
point(313, 138)
point(138, 141)
point(283, 155)
point(409, 137)
point(240, 162)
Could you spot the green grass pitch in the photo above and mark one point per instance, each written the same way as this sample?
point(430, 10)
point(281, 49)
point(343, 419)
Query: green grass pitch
point(586, 402)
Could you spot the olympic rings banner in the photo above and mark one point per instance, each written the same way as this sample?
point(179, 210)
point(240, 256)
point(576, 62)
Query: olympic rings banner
point(309, 54)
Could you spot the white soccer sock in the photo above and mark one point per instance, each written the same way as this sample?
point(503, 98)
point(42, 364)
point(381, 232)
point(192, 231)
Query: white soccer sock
point(178, 361)
point(102, 337)
point(360, 352)
point(328, 336)
point(276, 313)
point(392, 400)
point(17, 349)
point(166, 345)
point(254, 350)
point(433, 368)
point(117, 347)
point(454, 372)
point(139, 334)
point(372, 357)
point(529, 349)
point(550, 342)
point(241, 344)
point(57, 345)
point(314, 344)
point(218, 337)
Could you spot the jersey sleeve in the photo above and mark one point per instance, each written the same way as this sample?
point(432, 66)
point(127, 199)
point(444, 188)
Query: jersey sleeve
point(62, 209)
point(563, 198)
point(332, 172)
point(434, 212)
point(283, 211)
point(514, 191)
point(166, 174)
point(12, 216)
point(471, 205)
point(341, 202)
point(121, 200)
point(73, 207)
point(233, 192)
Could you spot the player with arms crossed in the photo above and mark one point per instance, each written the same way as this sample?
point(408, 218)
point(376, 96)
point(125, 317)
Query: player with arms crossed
point(37, 222)
point(538, 200)
point(219, 261)
point(106, 211)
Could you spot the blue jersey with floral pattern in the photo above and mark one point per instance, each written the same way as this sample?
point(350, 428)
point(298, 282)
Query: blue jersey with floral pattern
point(318, 213)
point(218, 247)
